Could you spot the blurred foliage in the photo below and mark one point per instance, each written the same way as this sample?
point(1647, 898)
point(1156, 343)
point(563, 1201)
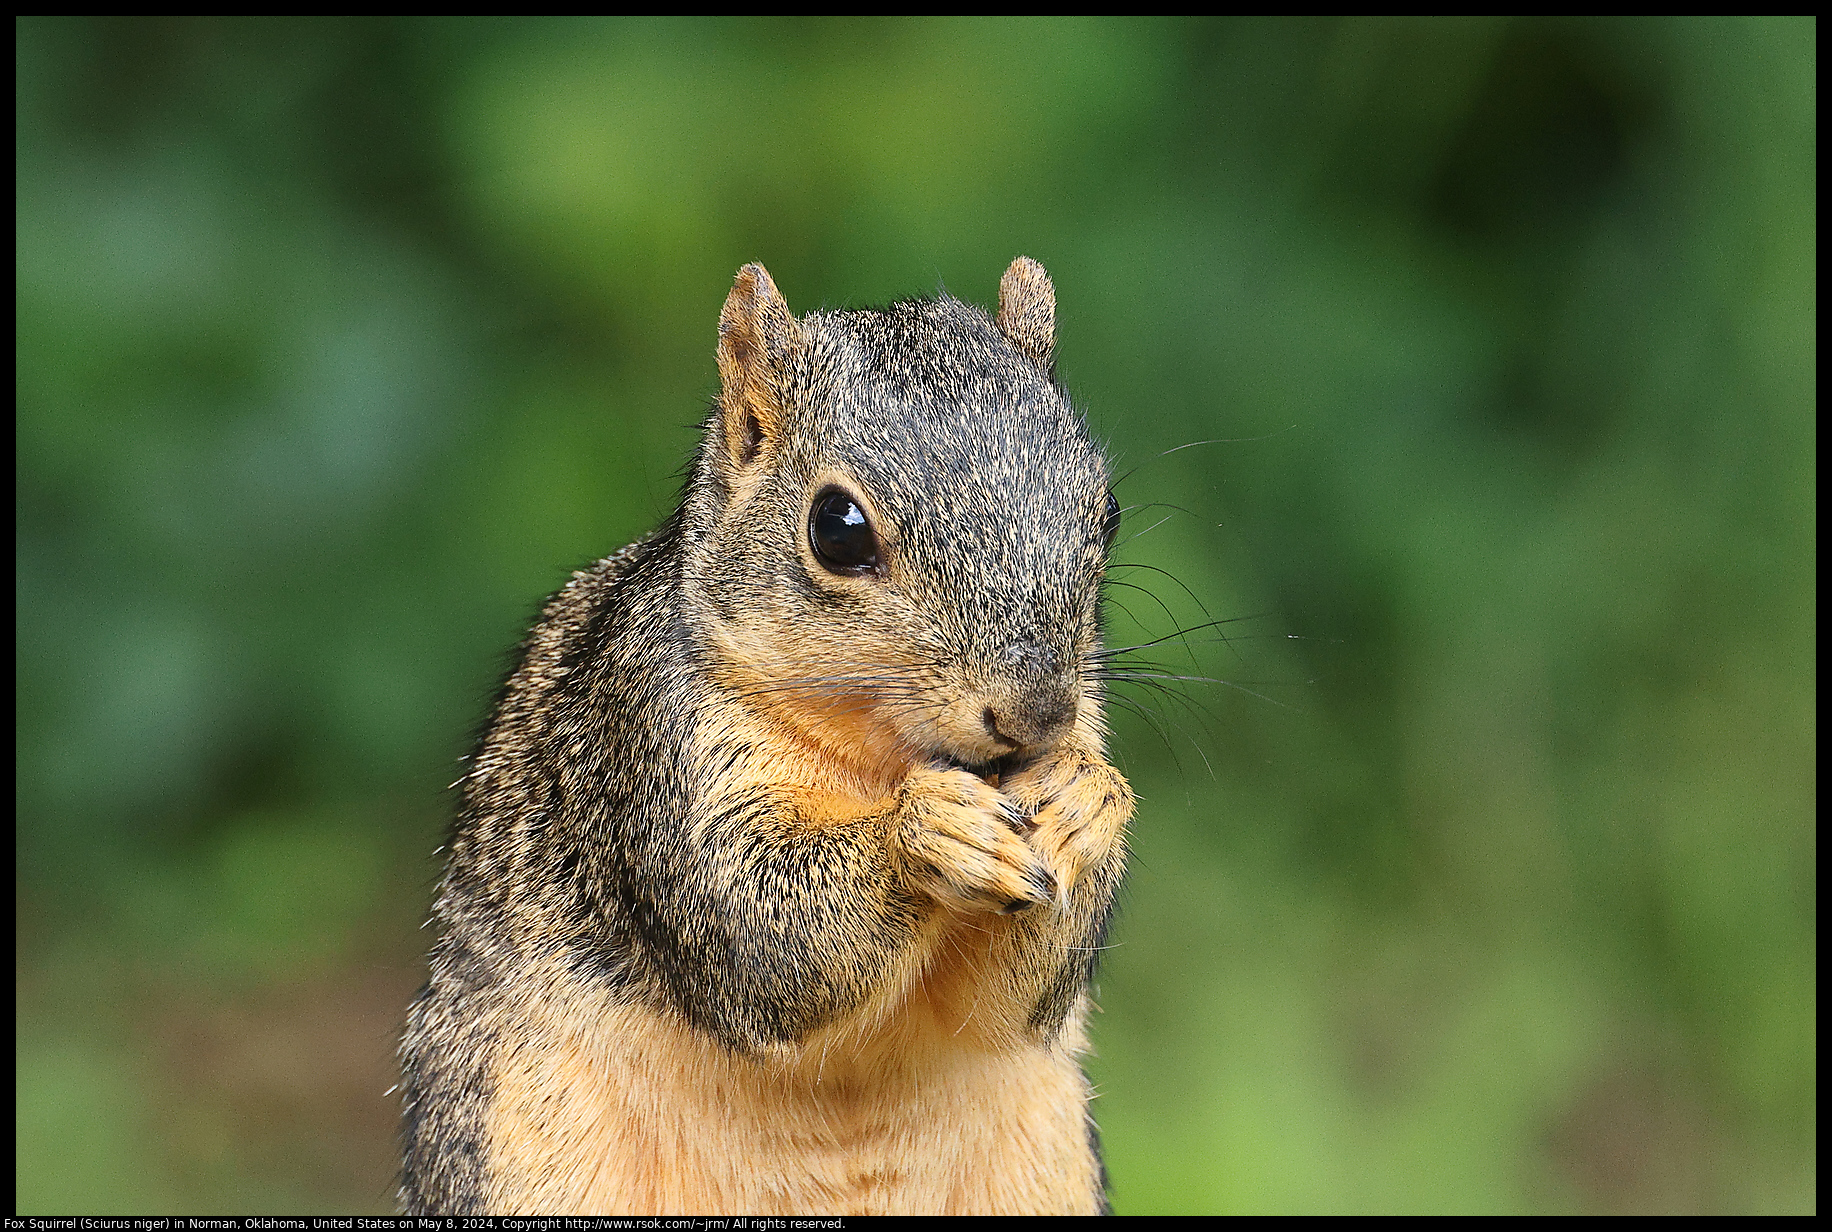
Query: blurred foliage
point(1483, 881)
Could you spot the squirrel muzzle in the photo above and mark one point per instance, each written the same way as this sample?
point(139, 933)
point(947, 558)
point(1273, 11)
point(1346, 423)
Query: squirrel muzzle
point(1036, 705)
point(1031, 721)
point(1011, 719)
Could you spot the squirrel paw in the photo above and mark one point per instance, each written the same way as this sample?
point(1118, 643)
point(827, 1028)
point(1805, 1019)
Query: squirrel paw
point(1078, 807)
point(964, 840)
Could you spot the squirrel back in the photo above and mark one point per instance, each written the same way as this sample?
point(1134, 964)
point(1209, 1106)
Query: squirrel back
point(779, 871)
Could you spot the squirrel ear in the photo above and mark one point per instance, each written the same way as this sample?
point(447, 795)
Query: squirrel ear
point(757, 334)
point(1027, 310)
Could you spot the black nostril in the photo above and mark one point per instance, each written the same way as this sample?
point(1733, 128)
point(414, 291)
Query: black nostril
point(991, 720)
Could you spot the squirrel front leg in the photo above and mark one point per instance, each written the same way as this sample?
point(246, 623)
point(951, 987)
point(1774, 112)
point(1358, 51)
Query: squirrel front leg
point(798, 911)
point(1013, 968)
point(1078, 807)
point(796, 907)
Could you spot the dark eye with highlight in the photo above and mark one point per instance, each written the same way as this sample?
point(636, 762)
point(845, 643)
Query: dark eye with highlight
point(841, 534)
point(1112, 526)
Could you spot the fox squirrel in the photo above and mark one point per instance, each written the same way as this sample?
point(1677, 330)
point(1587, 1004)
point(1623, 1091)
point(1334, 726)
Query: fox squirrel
point(780, 869)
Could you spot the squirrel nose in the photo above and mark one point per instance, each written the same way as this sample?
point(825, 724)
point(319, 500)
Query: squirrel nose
point(1038, 703)
point(1034, 718)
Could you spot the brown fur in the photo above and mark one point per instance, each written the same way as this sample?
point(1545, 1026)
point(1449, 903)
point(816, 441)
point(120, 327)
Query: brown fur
point(775, 888)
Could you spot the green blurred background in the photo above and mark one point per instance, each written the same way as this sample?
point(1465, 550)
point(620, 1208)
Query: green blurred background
point(1483, 882)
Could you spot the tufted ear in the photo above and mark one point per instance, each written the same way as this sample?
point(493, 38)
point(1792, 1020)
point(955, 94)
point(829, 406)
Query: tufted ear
point(757, 335)
point(1027, 310)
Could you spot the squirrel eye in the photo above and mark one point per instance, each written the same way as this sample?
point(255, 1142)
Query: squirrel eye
point(1112, 526)
point(840, 534)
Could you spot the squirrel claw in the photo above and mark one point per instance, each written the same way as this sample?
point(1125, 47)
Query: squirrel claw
point(1044, 882)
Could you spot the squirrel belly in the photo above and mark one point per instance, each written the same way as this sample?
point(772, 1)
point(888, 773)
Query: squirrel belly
point(779, 872)
point(619, 1108)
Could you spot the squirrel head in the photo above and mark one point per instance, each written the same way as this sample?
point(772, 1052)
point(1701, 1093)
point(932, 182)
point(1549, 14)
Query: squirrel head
point(897, 526)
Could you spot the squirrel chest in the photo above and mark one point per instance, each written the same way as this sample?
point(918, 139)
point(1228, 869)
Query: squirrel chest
point(780, 869)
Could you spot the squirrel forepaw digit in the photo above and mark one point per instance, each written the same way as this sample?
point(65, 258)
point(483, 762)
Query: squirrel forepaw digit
point(1078, 807)
point(964, 843)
